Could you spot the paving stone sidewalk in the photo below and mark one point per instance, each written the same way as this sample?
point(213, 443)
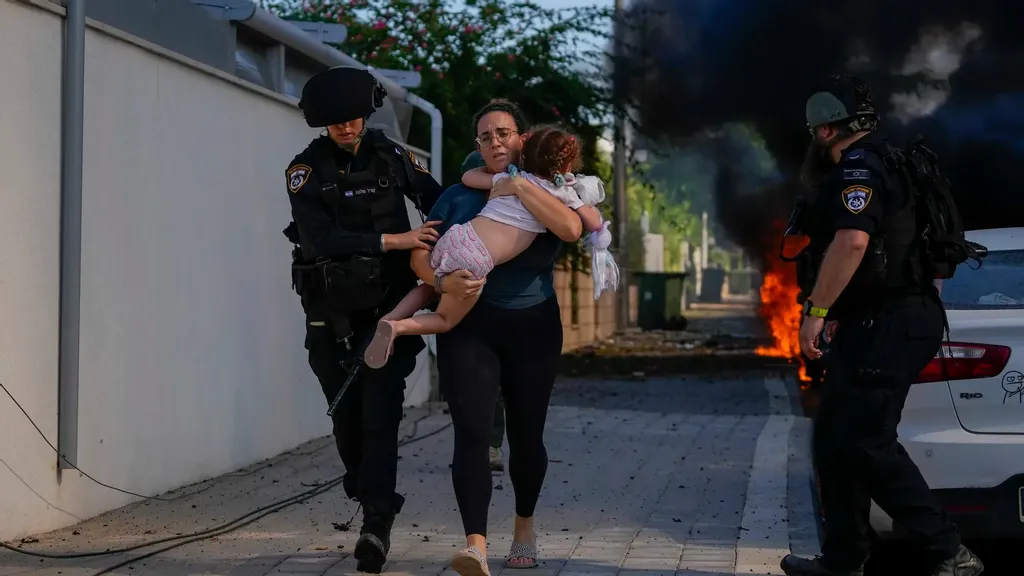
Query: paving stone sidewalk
point(670, 476)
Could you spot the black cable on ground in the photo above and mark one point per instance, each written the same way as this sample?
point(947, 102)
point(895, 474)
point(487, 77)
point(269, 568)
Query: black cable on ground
point(332, 483)
point(214, 533)
point(220, 529)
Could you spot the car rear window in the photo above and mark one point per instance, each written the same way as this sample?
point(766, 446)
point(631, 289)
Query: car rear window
point(997, 284)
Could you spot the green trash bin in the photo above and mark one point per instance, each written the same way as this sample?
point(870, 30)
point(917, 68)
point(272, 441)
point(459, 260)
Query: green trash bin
point(660, 299)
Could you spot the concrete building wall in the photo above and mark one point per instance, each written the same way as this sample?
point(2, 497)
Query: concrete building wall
point(191, 360)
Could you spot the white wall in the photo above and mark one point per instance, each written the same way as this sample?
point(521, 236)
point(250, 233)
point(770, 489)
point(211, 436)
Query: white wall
point(192, 359)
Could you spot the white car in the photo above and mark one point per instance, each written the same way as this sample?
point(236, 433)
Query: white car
point(964, 424)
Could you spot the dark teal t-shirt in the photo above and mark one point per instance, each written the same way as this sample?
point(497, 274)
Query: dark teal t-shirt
point(524, 281)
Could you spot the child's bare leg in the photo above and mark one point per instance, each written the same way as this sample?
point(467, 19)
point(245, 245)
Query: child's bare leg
point(449, 313)
point(379, 350)
point(417, 299)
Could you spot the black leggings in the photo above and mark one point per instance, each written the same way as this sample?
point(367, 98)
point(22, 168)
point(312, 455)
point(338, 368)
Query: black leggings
point(516, 351)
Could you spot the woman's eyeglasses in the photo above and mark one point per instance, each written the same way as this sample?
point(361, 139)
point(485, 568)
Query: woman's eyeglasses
point(500, 134)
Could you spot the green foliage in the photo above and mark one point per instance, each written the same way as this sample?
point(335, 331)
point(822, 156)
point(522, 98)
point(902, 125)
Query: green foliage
point(546, 60)
point(668, 214)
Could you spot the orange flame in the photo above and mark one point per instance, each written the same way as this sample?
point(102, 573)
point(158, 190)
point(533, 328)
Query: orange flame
point(781, 311)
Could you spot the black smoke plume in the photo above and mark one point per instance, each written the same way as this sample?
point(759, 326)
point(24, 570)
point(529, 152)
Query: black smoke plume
point(950, 70)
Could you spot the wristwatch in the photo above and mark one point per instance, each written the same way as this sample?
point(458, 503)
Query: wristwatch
point(811, 310)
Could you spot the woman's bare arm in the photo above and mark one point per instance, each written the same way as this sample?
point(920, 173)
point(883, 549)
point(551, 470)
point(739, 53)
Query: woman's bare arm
point(591, 218)
point(478, 179)
point(558, 217)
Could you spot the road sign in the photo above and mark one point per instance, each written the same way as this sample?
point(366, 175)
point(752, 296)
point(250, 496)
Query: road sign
point(404, 78)
point(323, 31)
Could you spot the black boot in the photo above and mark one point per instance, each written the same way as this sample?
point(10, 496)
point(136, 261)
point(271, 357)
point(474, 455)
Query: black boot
point(965, 563)
point(375, 536)
point(797, 566)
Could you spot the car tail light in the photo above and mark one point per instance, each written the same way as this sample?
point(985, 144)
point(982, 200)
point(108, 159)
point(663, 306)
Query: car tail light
point(960, 361)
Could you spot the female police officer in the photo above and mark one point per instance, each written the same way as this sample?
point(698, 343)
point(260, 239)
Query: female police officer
point(347, 191)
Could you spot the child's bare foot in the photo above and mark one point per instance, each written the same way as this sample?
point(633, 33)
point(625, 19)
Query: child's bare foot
point(380, 347)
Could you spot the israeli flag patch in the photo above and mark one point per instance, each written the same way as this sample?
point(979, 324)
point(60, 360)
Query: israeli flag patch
point(856, 175)
point(856, 155)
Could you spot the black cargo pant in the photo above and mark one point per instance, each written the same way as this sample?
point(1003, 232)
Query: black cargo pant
point(870, 367)
point(366, 421)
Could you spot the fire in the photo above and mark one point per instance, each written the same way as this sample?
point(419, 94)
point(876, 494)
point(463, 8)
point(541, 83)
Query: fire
point(780, 309)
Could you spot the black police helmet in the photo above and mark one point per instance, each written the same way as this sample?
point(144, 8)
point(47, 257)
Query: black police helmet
point(840, 97)
point(339, 95)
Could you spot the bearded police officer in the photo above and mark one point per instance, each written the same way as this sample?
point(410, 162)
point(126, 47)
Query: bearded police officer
point(347, 191)
point(882, 323)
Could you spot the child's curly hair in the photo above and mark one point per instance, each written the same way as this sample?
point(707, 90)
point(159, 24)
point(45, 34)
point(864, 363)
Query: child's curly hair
point(549, 150)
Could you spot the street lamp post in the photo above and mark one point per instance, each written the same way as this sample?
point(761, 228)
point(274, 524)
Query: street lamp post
point(619, 168)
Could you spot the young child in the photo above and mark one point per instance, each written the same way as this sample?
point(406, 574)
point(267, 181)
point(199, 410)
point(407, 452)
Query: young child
point(502, 230)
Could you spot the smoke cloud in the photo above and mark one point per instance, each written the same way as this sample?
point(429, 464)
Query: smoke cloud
point(946, 69)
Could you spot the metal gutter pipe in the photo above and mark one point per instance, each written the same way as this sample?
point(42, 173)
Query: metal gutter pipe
point(270, 25)
point(72, 130)
point(436, 126)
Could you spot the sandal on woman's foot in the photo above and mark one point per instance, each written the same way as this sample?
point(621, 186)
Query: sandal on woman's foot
point(380, 347)
point(470, 562)
point(524, 554)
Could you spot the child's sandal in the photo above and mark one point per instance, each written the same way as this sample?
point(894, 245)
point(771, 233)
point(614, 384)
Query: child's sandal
point(525, 553)
point(380, 348)
point(470, 562)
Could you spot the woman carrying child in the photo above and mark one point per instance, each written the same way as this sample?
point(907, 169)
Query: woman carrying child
point(508, 342)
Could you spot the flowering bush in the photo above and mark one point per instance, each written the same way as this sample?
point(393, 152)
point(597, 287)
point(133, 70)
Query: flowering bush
point(549, 61)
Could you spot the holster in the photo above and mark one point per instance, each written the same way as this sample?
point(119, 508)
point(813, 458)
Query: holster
point(353, 284)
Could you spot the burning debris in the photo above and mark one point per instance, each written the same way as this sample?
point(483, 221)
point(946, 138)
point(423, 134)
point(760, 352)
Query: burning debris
point(718, 342)
point(729, 78)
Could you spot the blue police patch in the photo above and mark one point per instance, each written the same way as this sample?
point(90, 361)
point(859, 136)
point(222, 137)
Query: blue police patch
point(855, 155)
point(856, 175)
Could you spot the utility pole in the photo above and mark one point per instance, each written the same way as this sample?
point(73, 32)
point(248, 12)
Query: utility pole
point(619, 166)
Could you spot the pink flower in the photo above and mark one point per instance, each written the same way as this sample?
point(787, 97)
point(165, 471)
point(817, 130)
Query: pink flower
point(511, 57)
point(373, 54)
point(555, 110)
point(423, 31)
point(440, 74)
point(358, 37)
point(423, 45)
point(497, 75)
point(469, 29)
point(380, 25)
point(418, 68)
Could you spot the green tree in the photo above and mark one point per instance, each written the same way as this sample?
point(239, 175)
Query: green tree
point(546, 60)
point(668, 215)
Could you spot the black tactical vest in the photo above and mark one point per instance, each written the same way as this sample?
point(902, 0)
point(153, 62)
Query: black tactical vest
point(371, 200)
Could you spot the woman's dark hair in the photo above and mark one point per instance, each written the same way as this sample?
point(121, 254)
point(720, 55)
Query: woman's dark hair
point(550, 149)
point(502, 105)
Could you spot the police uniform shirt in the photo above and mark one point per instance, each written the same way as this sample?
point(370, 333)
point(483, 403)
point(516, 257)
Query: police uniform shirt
point(313, 215)
point(852, 196)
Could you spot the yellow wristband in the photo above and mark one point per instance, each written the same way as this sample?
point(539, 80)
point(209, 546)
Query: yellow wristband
point(817, 312)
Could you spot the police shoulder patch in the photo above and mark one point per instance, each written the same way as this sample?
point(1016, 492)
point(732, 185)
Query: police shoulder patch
point(417, 164)
point(856, 198)
point(298, 175)
point(855, 155)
